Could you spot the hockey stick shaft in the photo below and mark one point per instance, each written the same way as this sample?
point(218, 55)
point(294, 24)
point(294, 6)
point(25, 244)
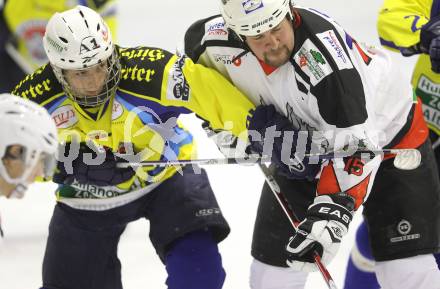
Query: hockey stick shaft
point(294, 220)
point(252, 160)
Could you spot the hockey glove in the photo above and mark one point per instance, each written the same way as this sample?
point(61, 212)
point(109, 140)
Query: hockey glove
point(290, 164)
point(326, 222)
point(430, 42)
point(102, 172)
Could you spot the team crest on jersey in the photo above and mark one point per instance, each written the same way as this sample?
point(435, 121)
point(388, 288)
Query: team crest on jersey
point(312, 62)
point(32, 33)
point(251, 5)
point(64, 116)
point(331, 42)
point(117, 111)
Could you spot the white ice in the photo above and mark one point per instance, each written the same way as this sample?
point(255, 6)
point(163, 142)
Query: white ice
point(163, 23)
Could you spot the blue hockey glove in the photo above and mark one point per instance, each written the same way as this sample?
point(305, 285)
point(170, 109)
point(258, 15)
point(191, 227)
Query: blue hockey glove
point(102, 172)
point(430, 42)
point(294, 165)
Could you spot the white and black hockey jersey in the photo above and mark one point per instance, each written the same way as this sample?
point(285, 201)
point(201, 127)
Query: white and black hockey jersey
point(333, 86)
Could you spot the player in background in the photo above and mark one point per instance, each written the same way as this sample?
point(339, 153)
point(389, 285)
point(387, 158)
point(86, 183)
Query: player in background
point(27, 147)
point(109, 104)
point(409, 28)
point(22, 25)
point(307, 73)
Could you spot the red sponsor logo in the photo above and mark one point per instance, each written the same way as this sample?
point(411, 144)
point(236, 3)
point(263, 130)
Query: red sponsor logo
point(64, 117)
point(302, 61)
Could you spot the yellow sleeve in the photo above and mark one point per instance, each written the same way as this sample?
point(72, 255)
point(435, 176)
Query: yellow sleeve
point(207, 93)
point(399, 22)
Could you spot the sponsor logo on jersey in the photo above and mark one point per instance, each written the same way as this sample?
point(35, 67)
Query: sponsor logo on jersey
point(177, 87)
point(312, 62)
point(142, 54)
point(208, 212)
point(86, 191)
point(227, 59)
point(331, 42)
point(136, 73)
point(64, 116)
point(251, 5)
point(98, 134)
point(429, 92)
point(404, 228)
point(216, 29)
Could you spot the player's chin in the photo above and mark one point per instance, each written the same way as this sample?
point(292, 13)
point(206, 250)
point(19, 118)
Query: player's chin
point(277, 59)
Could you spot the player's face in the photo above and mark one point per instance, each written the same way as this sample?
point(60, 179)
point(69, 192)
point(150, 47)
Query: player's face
point(275, 46)
point(89, 81)
point(15, 167)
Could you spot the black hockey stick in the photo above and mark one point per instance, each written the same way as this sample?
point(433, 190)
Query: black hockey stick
point(291, 216)
point(405, 159)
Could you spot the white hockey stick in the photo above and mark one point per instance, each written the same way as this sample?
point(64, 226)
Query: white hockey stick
point(405, 159)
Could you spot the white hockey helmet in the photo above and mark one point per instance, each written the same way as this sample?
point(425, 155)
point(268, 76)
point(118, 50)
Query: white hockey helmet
point(79, 39)
point(253, 17)
point(28, 125)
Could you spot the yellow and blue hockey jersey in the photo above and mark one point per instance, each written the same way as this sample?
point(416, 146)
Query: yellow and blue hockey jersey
point(155, 88)
point(399, 27)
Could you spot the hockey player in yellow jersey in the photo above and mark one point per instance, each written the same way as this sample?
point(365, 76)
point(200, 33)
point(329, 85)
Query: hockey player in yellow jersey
point(109, 102)
point(409, 28)
point(22, 25)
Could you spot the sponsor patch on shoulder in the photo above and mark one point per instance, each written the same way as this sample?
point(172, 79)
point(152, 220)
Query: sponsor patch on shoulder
point(177, 86)
point(312, 62)
point(216, 29)
point(331, 42)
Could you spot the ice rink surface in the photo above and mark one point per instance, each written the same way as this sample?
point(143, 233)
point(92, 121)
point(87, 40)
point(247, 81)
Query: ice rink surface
point(162, 24)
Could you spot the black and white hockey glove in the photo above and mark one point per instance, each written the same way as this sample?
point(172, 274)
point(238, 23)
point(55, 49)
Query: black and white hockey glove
point(288, 150)
point(326, 222)
point(430, 42)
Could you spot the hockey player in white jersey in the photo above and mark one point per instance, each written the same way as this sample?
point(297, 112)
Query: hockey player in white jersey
point(27, 146)
point(307, 73)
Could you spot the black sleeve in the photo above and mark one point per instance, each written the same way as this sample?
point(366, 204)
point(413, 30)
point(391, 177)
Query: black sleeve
point(40, 86)
point(193, 39)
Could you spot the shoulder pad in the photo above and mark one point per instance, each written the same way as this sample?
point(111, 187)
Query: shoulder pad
point(142, 70)
point(206, 32)
point(39, 86)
